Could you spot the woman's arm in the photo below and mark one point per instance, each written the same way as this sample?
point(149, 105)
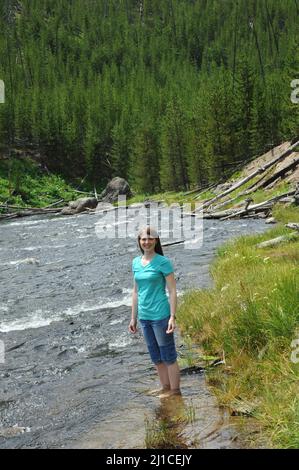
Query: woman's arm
point(133, 322)
point(171, 286)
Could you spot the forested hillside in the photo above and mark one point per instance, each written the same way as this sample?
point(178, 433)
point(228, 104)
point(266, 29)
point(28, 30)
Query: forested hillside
point(168, 94)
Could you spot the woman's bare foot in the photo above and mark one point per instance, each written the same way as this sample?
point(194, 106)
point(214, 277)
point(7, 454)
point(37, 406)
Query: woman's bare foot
point(159, 391)
point(170, 393)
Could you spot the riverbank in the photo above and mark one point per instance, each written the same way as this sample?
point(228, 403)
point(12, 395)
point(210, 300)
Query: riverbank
point(25, 183)
point(250, 317)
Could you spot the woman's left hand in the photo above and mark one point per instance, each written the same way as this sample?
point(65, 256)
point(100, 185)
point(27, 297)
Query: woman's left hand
point(171, 326)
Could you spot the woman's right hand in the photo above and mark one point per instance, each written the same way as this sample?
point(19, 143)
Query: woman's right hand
point(133, 326)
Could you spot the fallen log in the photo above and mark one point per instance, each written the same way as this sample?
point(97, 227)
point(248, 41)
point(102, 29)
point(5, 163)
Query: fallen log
point(223, 204)
point(239, 166)
point(254, 186)
point(28, 213)
point(173, 243)
point(188, 214)
point(231, 214)
point(261, 207)
point(293, 226)
point(260, 170)
point(293, 236)
point(54, 203)
point(257, 207)
point(32, 209)
point(83, 192)
point(261, 182)
point(204, 189)
point(8, 216)
point(219, 215)
point(248, 191)
point(279, 174)
point(288, 200)
point(211, 186)
point(9, 206)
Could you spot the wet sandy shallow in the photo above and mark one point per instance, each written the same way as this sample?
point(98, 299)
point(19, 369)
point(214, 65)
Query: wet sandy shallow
point(194, 419)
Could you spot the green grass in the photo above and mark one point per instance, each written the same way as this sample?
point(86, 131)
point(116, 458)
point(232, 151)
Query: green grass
point(252, 315)
point(262, 195)
point(23, 184)
point(206, 195)
point(286, 214)
point(169, 197)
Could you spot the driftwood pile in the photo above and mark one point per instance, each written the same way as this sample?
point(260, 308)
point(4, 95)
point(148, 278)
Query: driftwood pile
point(23, 212)
point(268, 177)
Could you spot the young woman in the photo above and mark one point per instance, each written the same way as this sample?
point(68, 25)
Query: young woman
point(152, 272)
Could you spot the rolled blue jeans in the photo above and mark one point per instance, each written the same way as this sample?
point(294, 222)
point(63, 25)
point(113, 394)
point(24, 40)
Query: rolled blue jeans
point(160, 345)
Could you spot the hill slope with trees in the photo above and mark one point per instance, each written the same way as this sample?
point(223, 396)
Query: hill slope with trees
point(169, 95)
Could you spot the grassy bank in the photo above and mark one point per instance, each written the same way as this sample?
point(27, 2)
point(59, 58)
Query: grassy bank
point(23, 183)
point(252, 316)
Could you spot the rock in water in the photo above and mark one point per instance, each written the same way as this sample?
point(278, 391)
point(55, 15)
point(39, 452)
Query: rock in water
point(80, 205)
point(13, 431)
point(271, 220)
point(116, 187)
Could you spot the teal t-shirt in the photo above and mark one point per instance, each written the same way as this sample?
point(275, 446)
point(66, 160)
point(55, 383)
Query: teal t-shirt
point(153, 302)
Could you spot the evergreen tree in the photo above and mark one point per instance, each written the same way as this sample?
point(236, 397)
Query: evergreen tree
point(174, 172)
point(145, 160)
point(92, 85)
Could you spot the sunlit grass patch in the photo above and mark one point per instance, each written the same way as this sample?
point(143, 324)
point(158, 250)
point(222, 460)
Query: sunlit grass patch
point(23, 184)
point(252, 314)
point(286, 214)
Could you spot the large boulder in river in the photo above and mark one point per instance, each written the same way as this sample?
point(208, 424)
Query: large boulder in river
point(80, 205)
point(116, 187)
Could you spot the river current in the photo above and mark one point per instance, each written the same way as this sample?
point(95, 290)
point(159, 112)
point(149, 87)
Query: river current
point(70, 364)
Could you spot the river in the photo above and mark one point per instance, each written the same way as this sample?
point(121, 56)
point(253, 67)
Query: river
point(73, 376)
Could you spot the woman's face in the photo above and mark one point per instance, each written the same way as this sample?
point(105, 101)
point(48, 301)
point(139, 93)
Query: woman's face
point(147, 243)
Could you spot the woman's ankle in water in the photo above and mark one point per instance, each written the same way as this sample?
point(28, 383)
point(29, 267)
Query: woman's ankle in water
point(166, 388)
point(175, 391)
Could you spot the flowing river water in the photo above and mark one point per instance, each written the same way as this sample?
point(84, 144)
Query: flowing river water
point(72, 375)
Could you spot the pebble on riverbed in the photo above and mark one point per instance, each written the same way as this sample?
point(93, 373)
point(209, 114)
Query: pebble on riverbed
point(13, 431)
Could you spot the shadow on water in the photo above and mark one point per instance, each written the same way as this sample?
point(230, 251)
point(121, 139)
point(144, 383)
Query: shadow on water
point(165, 430)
